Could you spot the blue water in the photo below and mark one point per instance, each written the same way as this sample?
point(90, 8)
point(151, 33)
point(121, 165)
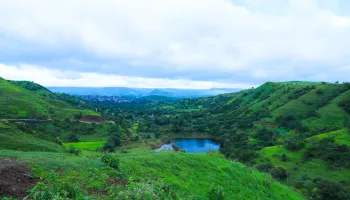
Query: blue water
point(196, 145)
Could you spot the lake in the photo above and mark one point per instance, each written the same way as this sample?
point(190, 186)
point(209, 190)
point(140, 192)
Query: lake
point(197, 145)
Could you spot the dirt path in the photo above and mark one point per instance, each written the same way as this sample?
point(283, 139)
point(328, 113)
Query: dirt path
point(15, 178)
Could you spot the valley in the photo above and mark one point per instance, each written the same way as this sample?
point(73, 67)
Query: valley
point(287, 140)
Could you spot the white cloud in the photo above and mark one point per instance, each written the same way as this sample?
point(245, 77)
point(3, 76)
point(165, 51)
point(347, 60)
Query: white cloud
point(205, 36)
point(51, 77)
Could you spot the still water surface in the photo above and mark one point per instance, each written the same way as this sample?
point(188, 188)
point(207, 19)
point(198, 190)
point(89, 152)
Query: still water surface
point(197, 145)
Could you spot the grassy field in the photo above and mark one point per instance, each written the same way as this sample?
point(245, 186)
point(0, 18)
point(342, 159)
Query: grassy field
point(85, 145)
point(188, 176)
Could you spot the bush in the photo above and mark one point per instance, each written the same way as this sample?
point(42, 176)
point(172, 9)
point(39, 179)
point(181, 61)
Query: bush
point(112, 143)
point(146, 191)
point(73, 150)
point(293, 144)
point(57, 140)
point(264, 167)
point(115, 139)
point(72, 138)
point(109, 146)
point(279, 173)
point(110, 160)
point(336, 155)
point(216, 194)
point(284, 158)
point(330, 190)
point(56, 190)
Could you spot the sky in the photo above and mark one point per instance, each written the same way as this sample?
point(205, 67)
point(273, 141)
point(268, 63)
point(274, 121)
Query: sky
point(174, 44)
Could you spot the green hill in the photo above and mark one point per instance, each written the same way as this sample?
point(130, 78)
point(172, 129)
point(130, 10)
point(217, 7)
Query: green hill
point(272, 126)
point(144, 174)
point(29, 100)
point(12, 137)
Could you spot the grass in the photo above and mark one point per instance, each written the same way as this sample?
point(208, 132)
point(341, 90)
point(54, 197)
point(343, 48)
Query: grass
point(191, 176)
point(298, 168)
point(85, 145)
point(341, 136)
point(15, 139)
point(18, 102)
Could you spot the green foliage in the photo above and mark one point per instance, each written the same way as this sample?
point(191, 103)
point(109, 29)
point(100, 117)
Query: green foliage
point(237, 146)
point(13, 138)
point(56, 190)
point(29, 100)
point(336, 155)
point(279, 173)
point(266, 137)
point(266, 167)
point(329, 190)
point(110, 160)
point(169, 174)
point(73, 150)
point(216, 194)
point(72, 138)
point(112, 143)
point(147, 191)
point(57, 140)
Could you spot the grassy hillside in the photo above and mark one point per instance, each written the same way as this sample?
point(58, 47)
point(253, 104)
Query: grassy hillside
point(144, 174)
point(273, 127)
point(29, 100)
point(11, 137)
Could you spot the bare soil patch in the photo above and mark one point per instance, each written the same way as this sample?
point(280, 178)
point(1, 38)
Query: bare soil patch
point(15, 178)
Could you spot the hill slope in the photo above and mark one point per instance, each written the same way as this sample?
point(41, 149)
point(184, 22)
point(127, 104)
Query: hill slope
point(272, 126)
point(145, 174)
point(29, 100)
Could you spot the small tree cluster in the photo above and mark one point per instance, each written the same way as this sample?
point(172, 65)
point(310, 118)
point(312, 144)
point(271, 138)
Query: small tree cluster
point(110, 160)
point(112, 143)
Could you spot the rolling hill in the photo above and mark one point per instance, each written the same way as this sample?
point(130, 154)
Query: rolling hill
point(301, 128)
point(29, 100)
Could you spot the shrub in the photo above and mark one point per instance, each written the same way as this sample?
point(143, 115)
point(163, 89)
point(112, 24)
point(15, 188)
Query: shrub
point(115, 139)
point(266, 167)
point(330, 190)
point(109, 146)
point(293, 144)
point(72, 138)
point(336, 155)
point(112, 143)
point(57, 140)
point(279, 173)
point(73, 150)
point(284, 158)
point(146, 191)
point(110, 160)
point(56, 190)
point(216, 193)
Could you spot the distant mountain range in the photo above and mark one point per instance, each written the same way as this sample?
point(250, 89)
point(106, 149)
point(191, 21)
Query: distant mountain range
point(140, 92)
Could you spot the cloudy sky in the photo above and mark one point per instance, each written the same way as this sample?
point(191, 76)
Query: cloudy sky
point(174, 43)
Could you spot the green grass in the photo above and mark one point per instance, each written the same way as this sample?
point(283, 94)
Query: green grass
point(85, 145)
point(191, 176)
point(15, 139)
point(298, 169)
point(340, 136)
point(18, 102)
